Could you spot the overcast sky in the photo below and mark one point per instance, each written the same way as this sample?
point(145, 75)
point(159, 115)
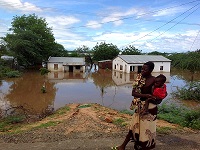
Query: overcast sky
point(149, 25)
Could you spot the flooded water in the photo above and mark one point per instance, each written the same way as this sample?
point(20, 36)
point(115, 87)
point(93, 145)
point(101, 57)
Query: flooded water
point(110, 89)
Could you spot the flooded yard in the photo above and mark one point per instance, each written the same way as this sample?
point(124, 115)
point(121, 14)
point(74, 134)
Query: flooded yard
point(105, 87)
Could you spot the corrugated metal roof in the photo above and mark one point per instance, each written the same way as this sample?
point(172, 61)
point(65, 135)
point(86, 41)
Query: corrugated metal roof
point(66, 60)
point(143, 58)
point(104, 60)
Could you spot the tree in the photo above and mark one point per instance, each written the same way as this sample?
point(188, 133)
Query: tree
point(59, 51)
point(131, 50)
point(3, 49)
point(104, 51)
point(187, 61)
point(31, 40)
point(82, 50)
point(157, 53)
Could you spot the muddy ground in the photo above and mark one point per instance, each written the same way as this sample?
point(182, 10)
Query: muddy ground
point(90, 127)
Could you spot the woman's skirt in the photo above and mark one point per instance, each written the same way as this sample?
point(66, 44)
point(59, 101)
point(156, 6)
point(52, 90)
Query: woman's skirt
point(143, 127)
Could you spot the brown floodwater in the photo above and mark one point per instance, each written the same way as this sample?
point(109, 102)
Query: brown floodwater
point(108, 88)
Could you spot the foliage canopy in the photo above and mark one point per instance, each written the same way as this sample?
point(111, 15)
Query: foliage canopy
point(189, 61)
point(32, 41)
point(105, 51)
point(131, 50)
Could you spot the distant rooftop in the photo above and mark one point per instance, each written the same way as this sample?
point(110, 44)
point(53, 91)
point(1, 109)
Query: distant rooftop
point(141, 59)
point(67, 60)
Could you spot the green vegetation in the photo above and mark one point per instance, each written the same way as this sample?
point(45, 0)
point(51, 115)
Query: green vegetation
point(31, 41)
point(11, 122)
point(164, 130)
point(13, 74)
point(188, 61)
point(85, 106)
point(7, 71)
point(43, 89)
point(105, 51)
point(131, 50)
point(126, 112)
point(119, 121)
point(190, 91)
point(62, 110)
point(44, 71)
point(180, 115)
point(48, 124)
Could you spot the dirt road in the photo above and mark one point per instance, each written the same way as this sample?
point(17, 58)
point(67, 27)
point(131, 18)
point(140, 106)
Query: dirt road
point(91, 127)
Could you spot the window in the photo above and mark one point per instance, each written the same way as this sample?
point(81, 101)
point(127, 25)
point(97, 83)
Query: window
point(55, 75)
point(161, 67)
point(78, 67)
point(115, 66)
point(121, 67)
point(132, 68)
point(120, 75)
point(55, 66)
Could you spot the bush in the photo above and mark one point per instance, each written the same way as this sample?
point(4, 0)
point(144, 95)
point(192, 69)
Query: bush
point(44, 71)
point(13, 74)
point(191, 91)
point(179, 115)
point(192, 119)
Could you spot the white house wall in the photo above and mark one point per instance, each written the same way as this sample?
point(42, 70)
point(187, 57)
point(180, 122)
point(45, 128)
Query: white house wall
point(51, 67)
point(117, 62)
point(126, 67)
point(121, 78)
point(166, 66)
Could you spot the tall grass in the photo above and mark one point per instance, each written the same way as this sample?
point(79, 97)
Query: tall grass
point(190, 91)
point(180, 115)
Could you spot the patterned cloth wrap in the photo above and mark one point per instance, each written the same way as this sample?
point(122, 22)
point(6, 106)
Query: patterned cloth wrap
point(137, 84)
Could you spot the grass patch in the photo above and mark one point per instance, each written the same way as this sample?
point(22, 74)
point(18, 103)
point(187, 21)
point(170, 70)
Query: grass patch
point(85, 106)
point(180, 115)
point(48, 124)
point(163, 130)
point(119, 121)
point(127, 112)
point(62, 110)
point(10, 123)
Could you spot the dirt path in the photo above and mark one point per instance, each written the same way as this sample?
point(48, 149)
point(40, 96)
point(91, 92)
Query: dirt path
point(90, 127)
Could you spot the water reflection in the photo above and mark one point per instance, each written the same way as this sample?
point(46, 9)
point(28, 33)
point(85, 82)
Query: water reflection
point(121, 78)
point(187, 76)
point(110, 89)
point(26, 91)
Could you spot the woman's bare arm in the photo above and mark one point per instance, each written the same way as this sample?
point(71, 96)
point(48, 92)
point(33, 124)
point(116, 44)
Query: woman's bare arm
point(139, 95)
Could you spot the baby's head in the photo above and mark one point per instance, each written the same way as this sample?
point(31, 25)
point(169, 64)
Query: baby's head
point(159, 80)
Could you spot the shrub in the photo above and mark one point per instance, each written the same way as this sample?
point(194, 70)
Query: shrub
point(192, 119)
point(190, 91)
point(179, 115)
point(13, 74)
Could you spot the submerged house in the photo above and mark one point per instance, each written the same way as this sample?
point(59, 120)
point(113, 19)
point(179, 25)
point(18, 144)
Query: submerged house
point(66, 64)
point(134, 63)
point(105, 64)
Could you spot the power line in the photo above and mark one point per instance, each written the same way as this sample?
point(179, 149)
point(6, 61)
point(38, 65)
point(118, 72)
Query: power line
point(162, 25)
point(194, 40)
point(89, 13)
point(125, 18)
point(172, 26)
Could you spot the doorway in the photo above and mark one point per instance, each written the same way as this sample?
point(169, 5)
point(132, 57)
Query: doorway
point(71, 68)
point(139, 69)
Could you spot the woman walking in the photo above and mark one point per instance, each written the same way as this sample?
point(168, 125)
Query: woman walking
point(142, 128)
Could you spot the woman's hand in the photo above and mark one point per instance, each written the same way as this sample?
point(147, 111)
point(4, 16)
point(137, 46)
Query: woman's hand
point(148, 96)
